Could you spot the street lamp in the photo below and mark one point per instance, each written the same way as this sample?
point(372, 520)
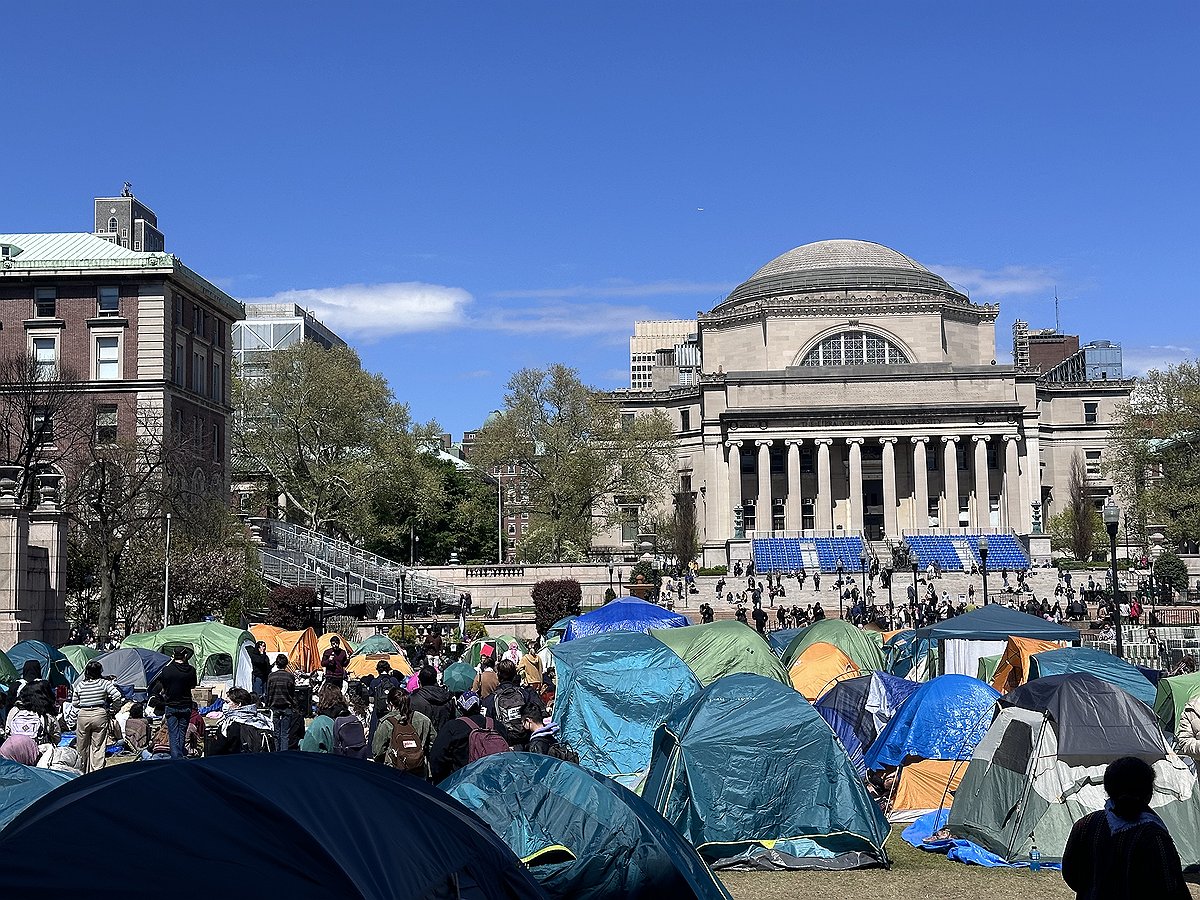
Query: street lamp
point(983, 550)
point(916, 565)
point(1112, 518)
point(167, 576)
point(862, 567)
point(610, 576)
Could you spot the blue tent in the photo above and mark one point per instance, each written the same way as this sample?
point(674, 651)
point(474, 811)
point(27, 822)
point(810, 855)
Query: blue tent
point(996, 623)
point(779, 640)
point(281, 819)
point(581, 835)
point(902, 653)
point(613, 691)
point(132, 669)
point(623, 614)
point(944, 719)
point(1103, 665)
point(56, 668)
point(752, 776)
point(21, 785)
point(858, 709)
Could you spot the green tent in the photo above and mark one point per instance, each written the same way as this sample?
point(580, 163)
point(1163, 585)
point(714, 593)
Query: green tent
point(722, 648)
point(749, 772)
point(988, 666)
point(377, 643)
point(555, 632)
point(218, 651)
point(8, 672)
point(503, 644)
point(863, 651)
point(79, 655)
point(1172, 695)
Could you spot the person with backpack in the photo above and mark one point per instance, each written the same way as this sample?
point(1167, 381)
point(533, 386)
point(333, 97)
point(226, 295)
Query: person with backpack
point(504, 705)
point(32, 683)
point(404, 739)
point(470, 737)
point(281, 699)
point(29, 727)
point(319, 736)
point(543, 734)
point(385, 682)
point(350, 731)
point(432, 699)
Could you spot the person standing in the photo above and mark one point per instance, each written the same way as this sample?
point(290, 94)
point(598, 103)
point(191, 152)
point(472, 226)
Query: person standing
point(281, 699)
point(174, 683)
point(260, 668)
point(96, 700)
point(334, 661)
point(531, 669)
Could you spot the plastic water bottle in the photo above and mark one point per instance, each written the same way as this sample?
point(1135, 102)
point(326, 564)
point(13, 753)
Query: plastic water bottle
point(1035, 860)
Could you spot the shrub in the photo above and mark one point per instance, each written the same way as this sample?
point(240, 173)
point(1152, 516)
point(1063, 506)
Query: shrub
point(403, 635)
point(554, 599)
point(291, 608)
point(1168, 567)
point(609, 595)
point(713, 570)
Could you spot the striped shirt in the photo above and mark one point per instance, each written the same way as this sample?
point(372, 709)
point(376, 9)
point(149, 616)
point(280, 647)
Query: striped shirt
point(96, 693)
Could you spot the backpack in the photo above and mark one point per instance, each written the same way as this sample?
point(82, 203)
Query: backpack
point(380, 689)
point(406, 750)
point(350, 738)
point(27, 723)
point(562, 751)
point(508, 699)
point(484, 741)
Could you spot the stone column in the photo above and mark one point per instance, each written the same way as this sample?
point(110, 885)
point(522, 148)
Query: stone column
point(735, 480)
point(920, 483)
point(856, 485)
point(950, 482)
point(762, 506)
point(982, 509)
point(890, 525)
point(824, 506)
point(1012, 483)
point(794, 521)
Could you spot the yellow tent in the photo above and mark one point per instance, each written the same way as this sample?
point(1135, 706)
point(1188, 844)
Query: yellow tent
point(818, 668)
point(300, 647)
point(1013, 670)
point(323, 643)
point(925, 784)
point(364, 664)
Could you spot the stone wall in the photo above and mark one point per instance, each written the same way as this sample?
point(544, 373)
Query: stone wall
point(32, 576)
point(511, 585)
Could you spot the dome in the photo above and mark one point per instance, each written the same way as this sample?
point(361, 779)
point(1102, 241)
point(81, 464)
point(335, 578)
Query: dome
point(838, 265)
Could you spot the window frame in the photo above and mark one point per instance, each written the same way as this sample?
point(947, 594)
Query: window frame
point(100, 438)
point(43, 295)
point(44, 371)
point(115, 362)
point(116, 294)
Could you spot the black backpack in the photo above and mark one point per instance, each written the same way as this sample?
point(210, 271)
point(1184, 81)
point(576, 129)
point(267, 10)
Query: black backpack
point(509, 699)
point(380, 690)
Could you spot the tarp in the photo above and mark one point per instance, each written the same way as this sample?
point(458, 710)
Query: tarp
point(1013, 670)
point(502, 645)
point(21, 785)
point(458, 677)
point(623, 614)
point(132, 669)
point(56, 668)
point(377, 643)
point(862, 649)
point(555, 632)
point(957, 849)
point(8, 673)
point(752, 776)
point(1097, 721)
point(779, 640)
point(219, 651)
point(1103, 665)
point(361, 664)
point(300, 647)
point(278, 819)
point(613, 691)
point(944, 719)
point(818, 668)
point(716, 649)
point(78, 655)
point(996, 623)
point(1172, 695)
point(582, 835)
point(866, 704)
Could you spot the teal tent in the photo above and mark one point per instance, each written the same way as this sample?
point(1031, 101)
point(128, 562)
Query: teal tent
point(613, 691)
point(21, 785)
point(751, 775)
point(583, 836)
point(1103, 665)
point(1172, 695)
point(377, 643)
point(56, 668)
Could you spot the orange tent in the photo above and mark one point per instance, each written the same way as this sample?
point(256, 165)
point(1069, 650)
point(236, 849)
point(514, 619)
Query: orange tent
point(323, 643)
point(818, 668)
point(925, 784)
point(364, 664)
point(300, 647)
point(267, 634)
point(1013, 670)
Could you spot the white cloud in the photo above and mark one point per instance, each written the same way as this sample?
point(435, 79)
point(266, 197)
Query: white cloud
point(1008, 281)
point(1140, 360)
point(565, 319)
point(620, 288)
point(372, 311)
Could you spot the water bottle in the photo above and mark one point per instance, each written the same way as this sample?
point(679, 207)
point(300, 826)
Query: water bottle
point(1035, 860)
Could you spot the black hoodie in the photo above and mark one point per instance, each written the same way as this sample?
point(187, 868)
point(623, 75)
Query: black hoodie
point(436, 703)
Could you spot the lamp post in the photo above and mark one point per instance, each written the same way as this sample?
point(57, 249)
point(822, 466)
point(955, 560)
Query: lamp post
point(1112, 518)
point(916, 565)
point(403, 575)
point(862, 568)
point(610, 576)
point(983, 551)
point(167, 576)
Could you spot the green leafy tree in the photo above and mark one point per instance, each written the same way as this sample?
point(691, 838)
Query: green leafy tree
point(1168, 567)
point(554, 599)
point(580, 459)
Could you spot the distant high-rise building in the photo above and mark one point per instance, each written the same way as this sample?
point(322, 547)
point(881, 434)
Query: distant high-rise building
point(275, 326)
point(128, 222)
point(651, 337)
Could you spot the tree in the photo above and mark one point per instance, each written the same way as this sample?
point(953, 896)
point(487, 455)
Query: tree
point(554, 599)
point(580, 458)
point(676, 533)
point(292, 608)
point(1079, 527)
point(1154, 452)
point(1170, 569)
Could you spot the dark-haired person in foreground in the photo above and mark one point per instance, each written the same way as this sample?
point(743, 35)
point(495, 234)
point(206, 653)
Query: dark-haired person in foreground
point(174, 684)
point(1124, 851)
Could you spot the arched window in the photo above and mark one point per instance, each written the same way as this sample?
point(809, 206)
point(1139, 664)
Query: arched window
point(112, 224)
point(855, 348)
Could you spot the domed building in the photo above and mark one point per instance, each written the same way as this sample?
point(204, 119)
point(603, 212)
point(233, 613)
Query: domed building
point(845, 390)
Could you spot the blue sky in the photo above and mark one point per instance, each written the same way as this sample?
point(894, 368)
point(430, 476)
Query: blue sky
point(463, 190)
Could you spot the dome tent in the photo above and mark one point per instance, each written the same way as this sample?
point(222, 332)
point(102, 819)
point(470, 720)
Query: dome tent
point(292, 805)
point(132, 669)
point(56, 668)
point(623, 614)
point(1172, 695)
point(219, 651)
point(961, 641)
point(858, 709)
point(1103, 665)
point(826, 652)
point(716, 649)
point(79, 655)
point(581, 834)
point(502, 647)
point(613, 691)
point(22, 785)
point(377, 643)
point(750, 773)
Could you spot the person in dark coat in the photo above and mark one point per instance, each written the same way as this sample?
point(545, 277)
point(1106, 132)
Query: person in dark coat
point(260, 668)
point(1124, 850)
point(334, 661)
point(432, 699)
point(450, 747)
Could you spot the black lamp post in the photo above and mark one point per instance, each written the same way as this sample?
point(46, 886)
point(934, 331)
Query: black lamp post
point(1112, 518)
point(983, 551)
point(403, 574)
point(610, 577)
point(916, 565)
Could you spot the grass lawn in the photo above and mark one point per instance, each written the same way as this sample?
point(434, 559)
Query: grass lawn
point(915, 875)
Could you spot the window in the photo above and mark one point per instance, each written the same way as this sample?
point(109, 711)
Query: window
point(45, 355)
point(1091, 462)
point(778, 515)
point(806, 460)
point(749, 520)
point(934, 516)
point(931, 459)
point(112, 224)
point(525, 516)
point(512, 529)
point(180, 363)
point(108, 363)
point(45, 302)
point(685, 420)
point(685, 483)
point(1089, 413)
point(808, 517)
point(199, 365)
point(855, 348)
point(218, 448)
point(42, 426)
point(178, 303)
point(216, 381)
point(106, 423)
point(108, 301)
point(629, 526)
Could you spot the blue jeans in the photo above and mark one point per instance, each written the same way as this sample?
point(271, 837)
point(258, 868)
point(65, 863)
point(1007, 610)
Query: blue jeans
point(260, 689)
point(282, 719)
point(177, 725)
